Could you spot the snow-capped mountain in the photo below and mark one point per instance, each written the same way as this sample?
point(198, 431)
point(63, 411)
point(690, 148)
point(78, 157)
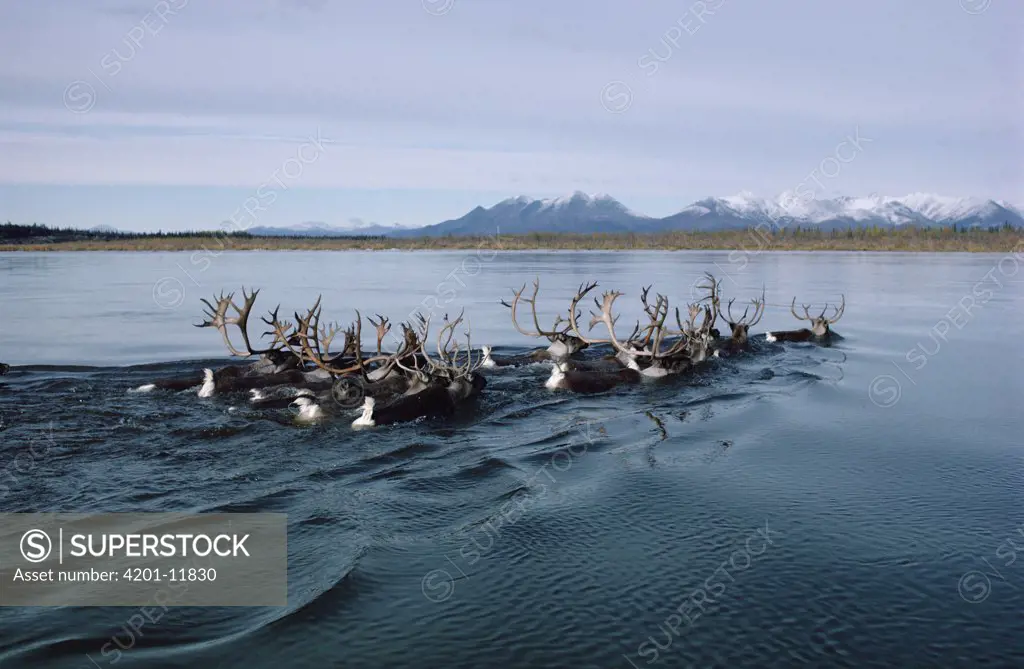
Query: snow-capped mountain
point(584, 214)
point(789, 209)
point(577, 212)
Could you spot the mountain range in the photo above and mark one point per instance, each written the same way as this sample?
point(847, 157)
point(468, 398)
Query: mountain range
point(584, 214)
point(321, 229)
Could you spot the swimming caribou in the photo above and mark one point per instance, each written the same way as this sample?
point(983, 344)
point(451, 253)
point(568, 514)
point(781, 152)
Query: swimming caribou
point(739, 328)
point(820, 329)
point(296, 368)
point(650, 352)
point(563, 345)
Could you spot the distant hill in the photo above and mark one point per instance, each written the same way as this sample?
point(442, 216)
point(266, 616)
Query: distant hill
point(320, 229)
point(575, 213)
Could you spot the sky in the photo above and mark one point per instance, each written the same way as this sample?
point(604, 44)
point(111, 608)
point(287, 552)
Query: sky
point(176, 114)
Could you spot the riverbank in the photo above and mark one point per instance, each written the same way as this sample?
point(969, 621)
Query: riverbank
point(927, 241)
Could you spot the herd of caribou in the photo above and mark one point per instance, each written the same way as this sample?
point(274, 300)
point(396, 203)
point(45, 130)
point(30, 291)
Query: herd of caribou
point(298, 368)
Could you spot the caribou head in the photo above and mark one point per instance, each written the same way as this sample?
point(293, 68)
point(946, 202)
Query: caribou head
point(741, 326)
point(445, 367)
point(820, 325)
point(563, 344)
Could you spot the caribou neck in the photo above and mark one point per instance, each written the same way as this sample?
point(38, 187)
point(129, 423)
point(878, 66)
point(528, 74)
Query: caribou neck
point(365, 419)
point(206, 390)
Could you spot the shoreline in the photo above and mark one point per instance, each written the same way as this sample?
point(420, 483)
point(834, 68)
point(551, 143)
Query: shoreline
point(749, 241)
point(1019, 248)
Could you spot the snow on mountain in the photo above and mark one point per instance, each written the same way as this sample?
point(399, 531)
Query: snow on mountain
point(581, 199)
point(584, 213)
point(790, 208)
point(311, 226)
point(578, 200)
point(576, 212)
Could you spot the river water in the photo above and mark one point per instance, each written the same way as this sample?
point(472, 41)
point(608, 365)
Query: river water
point(847, 506)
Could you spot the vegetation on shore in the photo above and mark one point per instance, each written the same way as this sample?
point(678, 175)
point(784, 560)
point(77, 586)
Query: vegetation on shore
point(40, 238)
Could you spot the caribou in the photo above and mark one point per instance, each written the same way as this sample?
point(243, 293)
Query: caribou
point(563, 345)
point(435, 390)
point(650, 352)
point(739, 328)
point(403, 386)
point(274, 365)
point(174, 383)
point(297, 369)
point(281, 363)
point(591, 381)
point(820, 330)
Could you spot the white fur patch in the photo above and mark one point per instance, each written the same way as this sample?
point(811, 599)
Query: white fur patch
point(206, 390)
point(558, 350)
point(557, 376)
point(309, 410)
point(655, 372)
point(366, 418)
point(487, 361)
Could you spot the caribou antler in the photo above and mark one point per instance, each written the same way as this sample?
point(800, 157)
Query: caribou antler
point(532, 301)
point(605, 316)
point(574, 314)
point(758, 305)
point(713, 286)
point(691, 329)
point(315, 341)
point(819, 324)
point(690, 333)
point(838, 311)
point(656, 330)
point(383, 328)
point(448, 349)
point(656, 316)
point(806, 317)
point(217, 316)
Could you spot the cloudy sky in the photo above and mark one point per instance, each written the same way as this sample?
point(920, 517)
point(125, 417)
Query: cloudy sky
point(146, 114)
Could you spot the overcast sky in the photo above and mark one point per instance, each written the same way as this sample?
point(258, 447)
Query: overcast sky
point(143, 114)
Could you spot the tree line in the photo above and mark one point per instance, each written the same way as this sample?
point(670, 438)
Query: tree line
point(36, 233)
point(12, 233)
